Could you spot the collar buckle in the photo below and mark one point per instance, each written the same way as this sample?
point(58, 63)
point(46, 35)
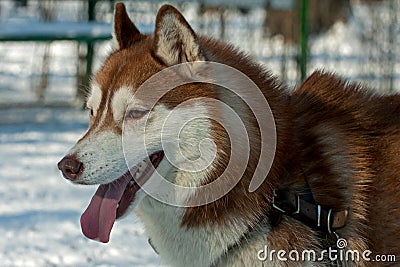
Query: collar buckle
point(302, 207)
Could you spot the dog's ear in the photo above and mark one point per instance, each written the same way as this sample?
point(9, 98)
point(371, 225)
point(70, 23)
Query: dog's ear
point(125, 32)
point(174, 40)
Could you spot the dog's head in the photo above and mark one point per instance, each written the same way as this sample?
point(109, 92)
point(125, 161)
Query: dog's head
point(133, 135)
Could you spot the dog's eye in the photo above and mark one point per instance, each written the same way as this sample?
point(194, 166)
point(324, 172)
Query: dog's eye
point(136, 114)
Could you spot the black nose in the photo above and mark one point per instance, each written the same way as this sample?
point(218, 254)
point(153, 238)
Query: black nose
point(71, 167)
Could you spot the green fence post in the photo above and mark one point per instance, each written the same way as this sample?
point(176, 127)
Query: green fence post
point(303, 39)
point(91, 6)
point(90, 44)
point(89, 52)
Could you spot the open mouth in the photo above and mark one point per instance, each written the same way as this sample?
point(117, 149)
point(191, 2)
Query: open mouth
point(140, 174)
point(112, 200)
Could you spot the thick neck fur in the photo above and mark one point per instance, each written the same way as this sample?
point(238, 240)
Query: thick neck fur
point(247, 206)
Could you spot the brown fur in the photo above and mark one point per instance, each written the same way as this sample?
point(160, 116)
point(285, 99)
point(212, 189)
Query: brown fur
point(341, 139)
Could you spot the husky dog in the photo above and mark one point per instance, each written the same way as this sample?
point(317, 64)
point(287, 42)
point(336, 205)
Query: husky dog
point(335, 140)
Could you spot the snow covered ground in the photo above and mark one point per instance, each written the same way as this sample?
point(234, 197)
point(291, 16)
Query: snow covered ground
point(40, 211)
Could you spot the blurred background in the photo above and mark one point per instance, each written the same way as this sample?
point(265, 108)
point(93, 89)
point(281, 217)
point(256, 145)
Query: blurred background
point(48, 50)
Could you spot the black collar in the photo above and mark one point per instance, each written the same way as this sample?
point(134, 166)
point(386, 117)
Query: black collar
point(302, 207)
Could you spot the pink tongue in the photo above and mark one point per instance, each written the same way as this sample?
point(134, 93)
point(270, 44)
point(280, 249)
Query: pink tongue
point(99, 217)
